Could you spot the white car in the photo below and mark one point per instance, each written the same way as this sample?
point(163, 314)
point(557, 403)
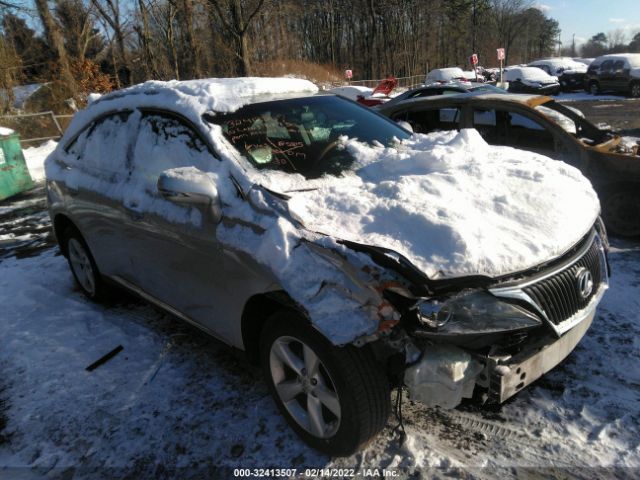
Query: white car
point(341, 253)
point(531, 80)
point(444, 75)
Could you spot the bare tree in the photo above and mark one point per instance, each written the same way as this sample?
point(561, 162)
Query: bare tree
point(236, 17)
point(56, 40)
point(109, 11)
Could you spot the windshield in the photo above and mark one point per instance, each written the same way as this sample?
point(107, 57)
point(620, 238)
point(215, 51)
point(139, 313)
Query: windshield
point(301, 135)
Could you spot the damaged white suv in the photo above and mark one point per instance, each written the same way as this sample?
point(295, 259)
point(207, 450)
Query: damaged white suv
point(344, 254)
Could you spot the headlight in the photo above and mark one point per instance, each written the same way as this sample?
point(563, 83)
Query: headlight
point(475, 313)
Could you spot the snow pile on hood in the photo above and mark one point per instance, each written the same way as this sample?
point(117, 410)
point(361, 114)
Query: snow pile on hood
point(453, 205)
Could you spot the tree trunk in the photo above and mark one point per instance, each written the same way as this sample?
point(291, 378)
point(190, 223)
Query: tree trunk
point(193, 47)
point(56, 40)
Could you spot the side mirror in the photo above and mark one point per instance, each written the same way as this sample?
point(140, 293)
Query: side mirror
point(405, 125)
point(188, 185)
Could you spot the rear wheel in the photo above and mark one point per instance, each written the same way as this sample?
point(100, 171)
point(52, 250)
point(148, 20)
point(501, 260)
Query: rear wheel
point(83, 266)
point(336, 399)
point(621, 212)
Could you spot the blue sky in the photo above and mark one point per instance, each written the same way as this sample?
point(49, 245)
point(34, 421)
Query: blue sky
point(585, 18)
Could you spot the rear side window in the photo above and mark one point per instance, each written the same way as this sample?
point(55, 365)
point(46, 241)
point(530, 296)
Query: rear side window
point(618, 65)
point(165, 142)
point(432, 120)
point(102, 147)
point(501, 127)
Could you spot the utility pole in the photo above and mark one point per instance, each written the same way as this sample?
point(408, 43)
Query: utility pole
point(475, 24)
point(559, 43)
point(573, 45)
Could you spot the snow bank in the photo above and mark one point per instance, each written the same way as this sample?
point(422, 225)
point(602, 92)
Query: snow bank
point(6, 131)
point(452, 204)
point(35, 157)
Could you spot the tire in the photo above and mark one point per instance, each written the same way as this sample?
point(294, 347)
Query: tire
point(621, 212)
point(346, 389)
point(594, 88)
point(634, 89)
point(82, 265)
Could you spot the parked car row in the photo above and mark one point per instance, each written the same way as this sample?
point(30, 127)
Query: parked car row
point(283, 223)
point(607, 73)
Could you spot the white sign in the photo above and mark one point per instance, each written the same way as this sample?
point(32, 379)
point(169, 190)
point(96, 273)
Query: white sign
point(500, 53)
point(2, 158)
point(348, 74)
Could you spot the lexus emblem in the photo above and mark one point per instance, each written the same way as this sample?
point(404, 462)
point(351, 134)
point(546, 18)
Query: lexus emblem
point(584, 282)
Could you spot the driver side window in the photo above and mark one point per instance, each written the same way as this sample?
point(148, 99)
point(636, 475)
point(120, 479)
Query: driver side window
point(165, 142)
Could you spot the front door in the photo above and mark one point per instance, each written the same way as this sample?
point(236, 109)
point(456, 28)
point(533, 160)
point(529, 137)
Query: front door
point(177, 259)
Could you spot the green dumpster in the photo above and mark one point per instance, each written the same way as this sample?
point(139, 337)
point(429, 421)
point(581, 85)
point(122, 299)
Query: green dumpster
point(14, 175)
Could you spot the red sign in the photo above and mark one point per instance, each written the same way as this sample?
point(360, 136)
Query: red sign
point(348, 74)
point(473, 59)
point(500, 53)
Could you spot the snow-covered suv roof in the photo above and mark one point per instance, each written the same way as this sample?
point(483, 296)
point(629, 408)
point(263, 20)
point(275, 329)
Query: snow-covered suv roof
point(192, 98)
point(632, 58)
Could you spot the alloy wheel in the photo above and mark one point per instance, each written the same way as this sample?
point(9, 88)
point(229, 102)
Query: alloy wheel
point(304, 386)
point(81, 266)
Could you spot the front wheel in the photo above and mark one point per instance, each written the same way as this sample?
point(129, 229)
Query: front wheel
point(335, 398)
point(594, 88)
point(635, 89)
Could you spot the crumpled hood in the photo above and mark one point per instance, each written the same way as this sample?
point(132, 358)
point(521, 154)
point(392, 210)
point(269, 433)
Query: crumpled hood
point(453, 205)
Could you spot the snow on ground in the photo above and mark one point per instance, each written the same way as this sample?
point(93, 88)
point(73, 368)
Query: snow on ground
point(581, 96)
point(176, 403)
point(35, 157)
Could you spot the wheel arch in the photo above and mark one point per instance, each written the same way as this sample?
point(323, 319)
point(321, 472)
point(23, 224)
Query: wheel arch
point(255, 314)
point(60, 223)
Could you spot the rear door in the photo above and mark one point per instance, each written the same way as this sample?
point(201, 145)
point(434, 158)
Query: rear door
point(96, 165)
point(606, 76)
point(621, 71)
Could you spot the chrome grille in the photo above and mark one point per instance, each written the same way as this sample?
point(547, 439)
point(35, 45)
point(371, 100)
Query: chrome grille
point(559, 296)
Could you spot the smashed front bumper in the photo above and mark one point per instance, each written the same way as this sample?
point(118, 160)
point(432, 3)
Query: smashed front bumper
point(445, 373)
point(504, 377)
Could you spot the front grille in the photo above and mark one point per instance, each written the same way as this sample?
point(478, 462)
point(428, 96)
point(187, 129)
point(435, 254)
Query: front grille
point(559, 295)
